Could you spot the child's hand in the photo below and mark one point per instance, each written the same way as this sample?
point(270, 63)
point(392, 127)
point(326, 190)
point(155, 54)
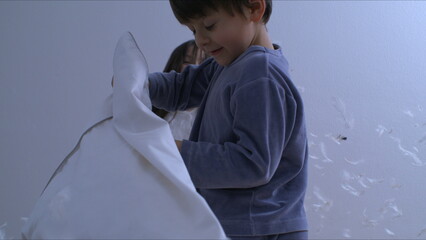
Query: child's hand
point(178, 144)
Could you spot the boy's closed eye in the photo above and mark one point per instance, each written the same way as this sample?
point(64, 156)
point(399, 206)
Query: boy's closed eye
point(210, 27)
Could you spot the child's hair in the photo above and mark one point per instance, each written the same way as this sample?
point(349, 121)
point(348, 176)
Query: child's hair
point(185, 10)
point(176, 60)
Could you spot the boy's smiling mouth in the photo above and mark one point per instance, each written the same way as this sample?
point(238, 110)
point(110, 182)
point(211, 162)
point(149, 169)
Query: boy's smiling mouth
point(215, 52)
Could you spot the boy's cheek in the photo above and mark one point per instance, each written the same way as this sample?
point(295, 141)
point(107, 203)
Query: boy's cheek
point(228, 33)
point(227, 39)
point(233, 36)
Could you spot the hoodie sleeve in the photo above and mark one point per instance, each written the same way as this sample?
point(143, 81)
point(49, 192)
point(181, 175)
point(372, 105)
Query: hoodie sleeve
point(261, 124)
point(179, 91)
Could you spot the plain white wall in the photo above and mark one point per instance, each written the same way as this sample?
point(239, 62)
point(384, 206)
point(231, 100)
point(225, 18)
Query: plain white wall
point(360, 67)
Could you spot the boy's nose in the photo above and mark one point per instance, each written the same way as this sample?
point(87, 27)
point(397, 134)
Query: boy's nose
point(201, 40)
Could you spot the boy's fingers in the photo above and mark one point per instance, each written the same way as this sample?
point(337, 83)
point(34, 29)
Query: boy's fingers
point(178, 144)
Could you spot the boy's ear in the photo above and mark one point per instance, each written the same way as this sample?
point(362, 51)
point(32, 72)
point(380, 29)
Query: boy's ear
point(257, 10)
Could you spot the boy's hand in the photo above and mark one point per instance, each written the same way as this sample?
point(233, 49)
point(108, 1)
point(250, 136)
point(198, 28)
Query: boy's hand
point(178, 144)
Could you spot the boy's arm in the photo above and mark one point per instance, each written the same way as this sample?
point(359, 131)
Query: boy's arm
point(264, 117)
point(179, 91)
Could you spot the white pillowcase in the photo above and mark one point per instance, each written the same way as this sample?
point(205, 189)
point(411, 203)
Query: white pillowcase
point(125, 179)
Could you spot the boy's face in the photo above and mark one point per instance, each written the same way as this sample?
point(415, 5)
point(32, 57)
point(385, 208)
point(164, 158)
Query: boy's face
point(223, 36)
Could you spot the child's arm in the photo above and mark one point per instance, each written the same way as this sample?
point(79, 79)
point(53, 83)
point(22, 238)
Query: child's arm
point(263, 121)
point(179, 91)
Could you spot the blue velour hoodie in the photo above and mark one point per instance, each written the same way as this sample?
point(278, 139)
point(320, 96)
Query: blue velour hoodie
point(247, 152)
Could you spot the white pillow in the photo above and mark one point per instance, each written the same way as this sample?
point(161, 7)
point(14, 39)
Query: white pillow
point(125, 179)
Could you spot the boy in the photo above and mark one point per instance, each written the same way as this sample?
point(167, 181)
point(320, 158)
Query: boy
point(247, 152)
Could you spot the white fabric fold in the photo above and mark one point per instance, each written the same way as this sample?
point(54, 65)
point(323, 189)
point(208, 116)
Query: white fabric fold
point(125, 179)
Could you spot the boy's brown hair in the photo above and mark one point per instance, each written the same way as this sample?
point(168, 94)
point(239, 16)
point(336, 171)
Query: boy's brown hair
point(185, 10)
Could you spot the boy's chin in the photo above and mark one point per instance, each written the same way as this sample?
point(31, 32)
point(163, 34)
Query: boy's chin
point(223, 62)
